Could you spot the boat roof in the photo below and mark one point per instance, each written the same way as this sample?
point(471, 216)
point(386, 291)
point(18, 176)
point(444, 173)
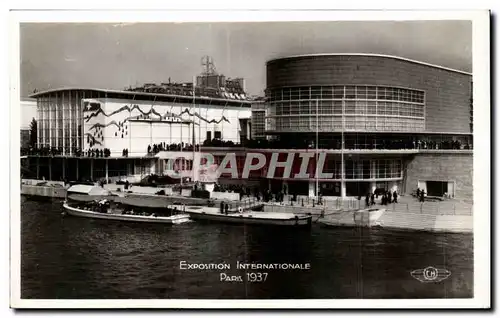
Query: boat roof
point(88, 190)
point(85, 198)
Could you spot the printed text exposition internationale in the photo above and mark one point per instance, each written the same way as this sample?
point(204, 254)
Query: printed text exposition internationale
point(244, 266)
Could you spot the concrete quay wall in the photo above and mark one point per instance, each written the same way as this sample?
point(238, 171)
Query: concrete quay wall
point(409, 221)
point(43, 191)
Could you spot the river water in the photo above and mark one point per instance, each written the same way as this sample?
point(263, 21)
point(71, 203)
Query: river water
point(78, 258)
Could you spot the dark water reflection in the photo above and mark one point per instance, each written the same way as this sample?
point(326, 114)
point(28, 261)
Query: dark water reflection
point(82, 258)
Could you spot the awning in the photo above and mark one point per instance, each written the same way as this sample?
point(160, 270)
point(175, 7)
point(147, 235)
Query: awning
point(87, 190)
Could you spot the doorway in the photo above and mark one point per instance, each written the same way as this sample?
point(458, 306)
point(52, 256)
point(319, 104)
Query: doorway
point(437, 188)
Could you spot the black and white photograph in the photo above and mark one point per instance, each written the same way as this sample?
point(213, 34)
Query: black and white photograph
point(196, 162)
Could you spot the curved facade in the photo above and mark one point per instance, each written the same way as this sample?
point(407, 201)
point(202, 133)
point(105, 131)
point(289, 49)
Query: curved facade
point(364, 104)
point(366, 93)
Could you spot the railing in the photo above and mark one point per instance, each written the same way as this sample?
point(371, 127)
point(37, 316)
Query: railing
point(332, 205)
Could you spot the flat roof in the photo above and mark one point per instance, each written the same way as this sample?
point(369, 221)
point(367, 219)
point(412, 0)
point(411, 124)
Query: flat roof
point(114, 91)
point(370, 55)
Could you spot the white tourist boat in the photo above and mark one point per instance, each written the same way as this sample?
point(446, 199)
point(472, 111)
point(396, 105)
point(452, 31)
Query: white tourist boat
point(95, 202)
point(119, 216)
point(246, 217)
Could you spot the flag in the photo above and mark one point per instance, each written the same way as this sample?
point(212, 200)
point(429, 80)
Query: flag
point(91, 106)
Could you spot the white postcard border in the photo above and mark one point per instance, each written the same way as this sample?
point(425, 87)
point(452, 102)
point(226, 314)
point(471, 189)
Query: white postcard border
point(482, 170)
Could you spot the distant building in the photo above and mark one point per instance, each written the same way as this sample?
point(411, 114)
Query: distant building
point(28, 113)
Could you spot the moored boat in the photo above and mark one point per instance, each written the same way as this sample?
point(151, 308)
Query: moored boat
point(247, 217)
point(114, 215)
point(92, 202)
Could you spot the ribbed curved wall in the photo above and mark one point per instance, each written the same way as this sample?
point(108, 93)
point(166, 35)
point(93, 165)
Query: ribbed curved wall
point(373, 93)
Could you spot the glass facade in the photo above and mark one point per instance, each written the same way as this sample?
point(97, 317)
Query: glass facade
point(369, 169)
point(352, 108)
point(60, 119)
point(258, 124)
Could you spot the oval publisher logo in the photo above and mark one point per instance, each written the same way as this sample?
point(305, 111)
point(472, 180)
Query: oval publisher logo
point(430, 274)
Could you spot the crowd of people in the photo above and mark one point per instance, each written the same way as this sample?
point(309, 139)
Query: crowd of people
point(420, 195)
point(332, 144)
point(163, 146)
point(77, 152)
point(97, 153)
point(349, 143)
point(42, 151)
point(387, 197)
point(290, 143)
point(100, 153)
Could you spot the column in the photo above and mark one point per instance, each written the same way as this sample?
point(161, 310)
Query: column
point(394, 186)
point(196, 166)
point(50, 123)
point(152, 166)
point(91, 169)
point(64, 168)
point(373, 175)
point(285, 184)
point(50, 168)
point(106, 169)
point(312, 188)
point(38, 168)
point(70, 122)
point(342, 176)
point(64, 107)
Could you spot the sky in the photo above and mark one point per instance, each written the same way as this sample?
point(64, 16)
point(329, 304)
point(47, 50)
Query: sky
point(115, 56)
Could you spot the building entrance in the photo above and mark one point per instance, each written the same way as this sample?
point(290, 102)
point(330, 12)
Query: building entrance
point(437, 188)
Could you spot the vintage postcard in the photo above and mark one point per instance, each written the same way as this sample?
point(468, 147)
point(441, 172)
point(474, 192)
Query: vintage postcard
point(250, 159)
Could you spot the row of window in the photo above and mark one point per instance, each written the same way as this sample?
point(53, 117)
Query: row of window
point(52, 129)
point(369, 169)
point(363, 169)
point(347, 92)
point(258, 123)
point(347, 107)
point(311, 124)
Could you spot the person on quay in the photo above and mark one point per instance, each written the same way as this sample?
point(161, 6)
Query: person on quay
point(422, 196)
point(367, 200)
point(395, 196)
point(372, 199)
